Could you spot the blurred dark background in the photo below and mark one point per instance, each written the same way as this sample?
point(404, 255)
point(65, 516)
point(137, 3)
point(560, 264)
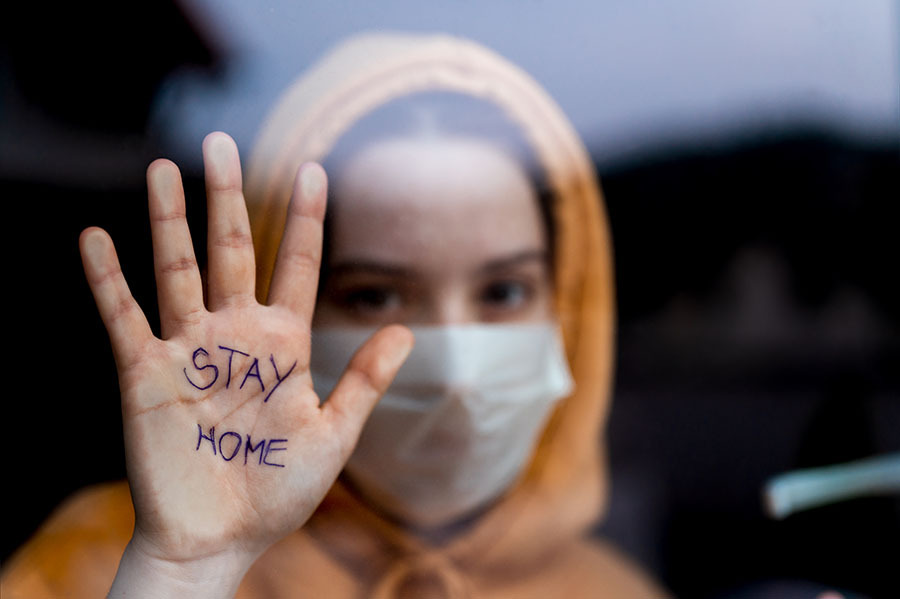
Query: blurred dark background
point(757, 293)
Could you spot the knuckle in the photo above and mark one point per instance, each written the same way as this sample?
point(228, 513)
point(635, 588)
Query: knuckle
point(169, 216)
point(303, 212)
point(112, 276)
point(236, 239)
point(223, 187)
point(363, 373)
point(303, 260)
point(191, 317)
point(186, 263)
point(236, 299)
point(122, 308)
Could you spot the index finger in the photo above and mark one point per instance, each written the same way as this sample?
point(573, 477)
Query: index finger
point(296, 274)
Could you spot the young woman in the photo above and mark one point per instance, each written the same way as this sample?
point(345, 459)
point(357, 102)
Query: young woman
point(480, 472)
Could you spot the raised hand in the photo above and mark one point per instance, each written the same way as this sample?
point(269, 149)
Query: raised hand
point(228, 448)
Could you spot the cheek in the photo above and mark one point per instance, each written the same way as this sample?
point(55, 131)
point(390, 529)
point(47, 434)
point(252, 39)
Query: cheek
point(548, 306)
point(544, 305)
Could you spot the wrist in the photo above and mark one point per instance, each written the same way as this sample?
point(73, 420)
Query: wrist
point(141, 574)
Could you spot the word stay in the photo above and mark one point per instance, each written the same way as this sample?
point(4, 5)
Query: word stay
point(206, 372)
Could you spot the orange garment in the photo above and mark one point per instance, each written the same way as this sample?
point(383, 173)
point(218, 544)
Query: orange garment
point(534, 541)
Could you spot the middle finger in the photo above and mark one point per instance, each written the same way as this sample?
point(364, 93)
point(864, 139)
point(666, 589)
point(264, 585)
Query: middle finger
point(232, 267)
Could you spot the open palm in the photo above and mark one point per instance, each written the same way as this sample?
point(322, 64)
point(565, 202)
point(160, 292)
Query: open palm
point(228, 448)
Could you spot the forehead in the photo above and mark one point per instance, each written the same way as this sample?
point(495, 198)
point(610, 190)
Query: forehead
point(447, 199)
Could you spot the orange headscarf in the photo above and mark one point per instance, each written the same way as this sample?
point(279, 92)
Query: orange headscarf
point(564, 490)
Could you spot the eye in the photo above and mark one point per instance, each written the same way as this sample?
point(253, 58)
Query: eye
point(371, 299)
point(506, 294)
point(367, 298)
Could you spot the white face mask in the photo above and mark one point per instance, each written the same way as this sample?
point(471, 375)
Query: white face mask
point(460, 420)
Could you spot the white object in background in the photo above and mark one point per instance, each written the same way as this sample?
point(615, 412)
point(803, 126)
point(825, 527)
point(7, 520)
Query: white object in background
point(801, 490)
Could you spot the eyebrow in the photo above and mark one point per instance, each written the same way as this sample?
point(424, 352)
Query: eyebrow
point(514, 260)
point(352, 266)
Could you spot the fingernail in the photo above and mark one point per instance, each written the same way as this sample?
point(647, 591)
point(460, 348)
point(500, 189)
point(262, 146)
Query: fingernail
point(311, 180)
point(402, 350)
point(94, 249)
point(165, 179)
point(218, 154)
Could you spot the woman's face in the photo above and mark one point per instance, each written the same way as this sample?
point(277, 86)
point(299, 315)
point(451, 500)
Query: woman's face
point(435, 231)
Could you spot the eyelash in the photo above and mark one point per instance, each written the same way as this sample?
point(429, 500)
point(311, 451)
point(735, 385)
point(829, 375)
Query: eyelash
point(525, 292)
point(369, 298)
point(497, 299)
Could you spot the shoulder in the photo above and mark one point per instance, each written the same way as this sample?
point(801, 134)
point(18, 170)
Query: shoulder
point(77, 550)
point(616, 573)
point(594, 568)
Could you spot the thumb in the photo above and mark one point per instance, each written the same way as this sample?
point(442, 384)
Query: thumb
point(367, 377)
